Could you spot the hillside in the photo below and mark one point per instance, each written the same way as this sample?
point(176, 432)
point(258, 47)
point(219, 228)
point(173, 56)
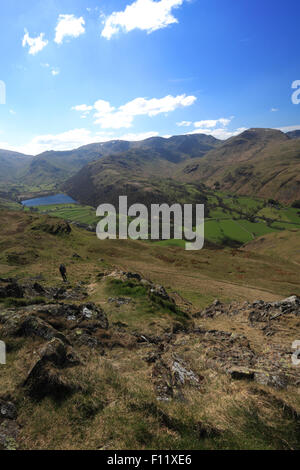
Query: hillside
point(134, 352)
point(284, 245)
point(143, 173)
point(11, 164)
point(260, 162)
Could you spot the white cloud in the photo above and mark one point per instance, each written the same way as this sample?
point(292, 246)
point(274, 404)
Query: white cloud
point(274, 110)
point(147, 15)
point(138, 136)
point(109, 117)
point(55, 72)
point(220, 133)
point(184, 123)
point(35, 44)
point(72, 139)
point(154, 106)
point(103, 108)
point(64, 141)
point(83, 109)
point(218, 128)
point(211, 123)
point(289, 128)
point(68, 26)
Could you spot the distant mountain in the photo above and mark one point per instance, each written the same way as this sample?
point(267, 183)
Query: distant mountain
point(56, 166)
point(11, 164)
point(294, 134)
point(261, 162)
point(144, 175)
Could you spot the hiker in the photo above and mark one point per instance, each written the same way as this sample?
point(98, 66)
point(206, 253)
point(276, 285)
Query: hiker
point(63, 272)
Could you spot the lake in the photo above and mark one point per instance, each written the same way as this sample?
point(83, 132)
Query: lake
point(48, 200)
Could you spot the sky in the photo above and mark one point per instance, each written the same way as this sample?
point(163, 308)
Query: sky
point(83, 71)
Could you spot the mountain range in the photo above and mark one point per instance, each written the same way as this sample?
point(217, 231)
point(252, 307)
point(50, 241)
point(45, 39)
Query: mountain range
point(261, 162)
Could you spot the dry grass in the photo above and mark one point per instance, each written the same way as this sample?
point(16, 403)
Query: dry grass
point(116, 406)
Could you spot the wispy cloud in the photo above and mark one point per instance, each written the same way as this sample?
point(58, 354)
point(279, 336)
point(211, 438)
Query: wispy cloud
point(211, 123)
point(68, 26)
point(218, 128)
point(289, 128)
point(147, 15)
point(36, 44)
point(184, 123)
point(54, 70)
point(71, 139)
point(220, 133)
point(109, 117)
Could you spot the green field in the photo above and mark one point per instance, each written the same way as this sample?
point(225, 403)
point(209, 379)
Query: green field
point(241, 219)
point(71, 212)
point(231, 220)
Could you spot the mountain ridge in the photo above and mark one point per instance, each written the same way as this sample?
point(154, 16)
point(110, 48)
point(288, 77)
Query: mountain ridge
point(259, 162)
point(56, 166)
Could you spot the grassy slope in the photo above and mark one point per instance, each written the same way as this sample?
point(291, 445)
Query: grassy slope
point(118, 409)
point(202, 275)
point(284, 245)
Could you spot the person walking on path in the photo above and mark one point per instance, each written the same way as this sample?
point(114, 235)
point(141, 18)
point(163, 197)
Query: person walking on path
point(63, 272)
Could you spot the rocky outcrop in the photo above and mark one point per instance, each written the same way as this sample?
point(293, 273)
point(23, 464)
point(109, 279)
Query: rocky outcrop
point(273, 366)
point(258, 311)
point(75, 313)
point(46, 377)
point(25, 325)
point(53, 227)
point(171, 375)
point(30, 290)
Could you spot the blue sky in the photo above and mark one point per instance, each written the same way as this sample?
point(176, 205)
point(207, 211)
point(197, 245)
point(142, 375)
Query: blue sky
point(78, 71)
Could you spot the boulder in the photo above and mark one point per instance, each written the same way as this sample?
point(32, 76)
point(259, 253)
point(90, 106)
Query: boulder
point(85, 312)
point(274, 380)
point(136, 276)
point(7, 410)
point(11, 290)
point(33, 326)
point(170, 376)
point(46, 377)
point(161, 292)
